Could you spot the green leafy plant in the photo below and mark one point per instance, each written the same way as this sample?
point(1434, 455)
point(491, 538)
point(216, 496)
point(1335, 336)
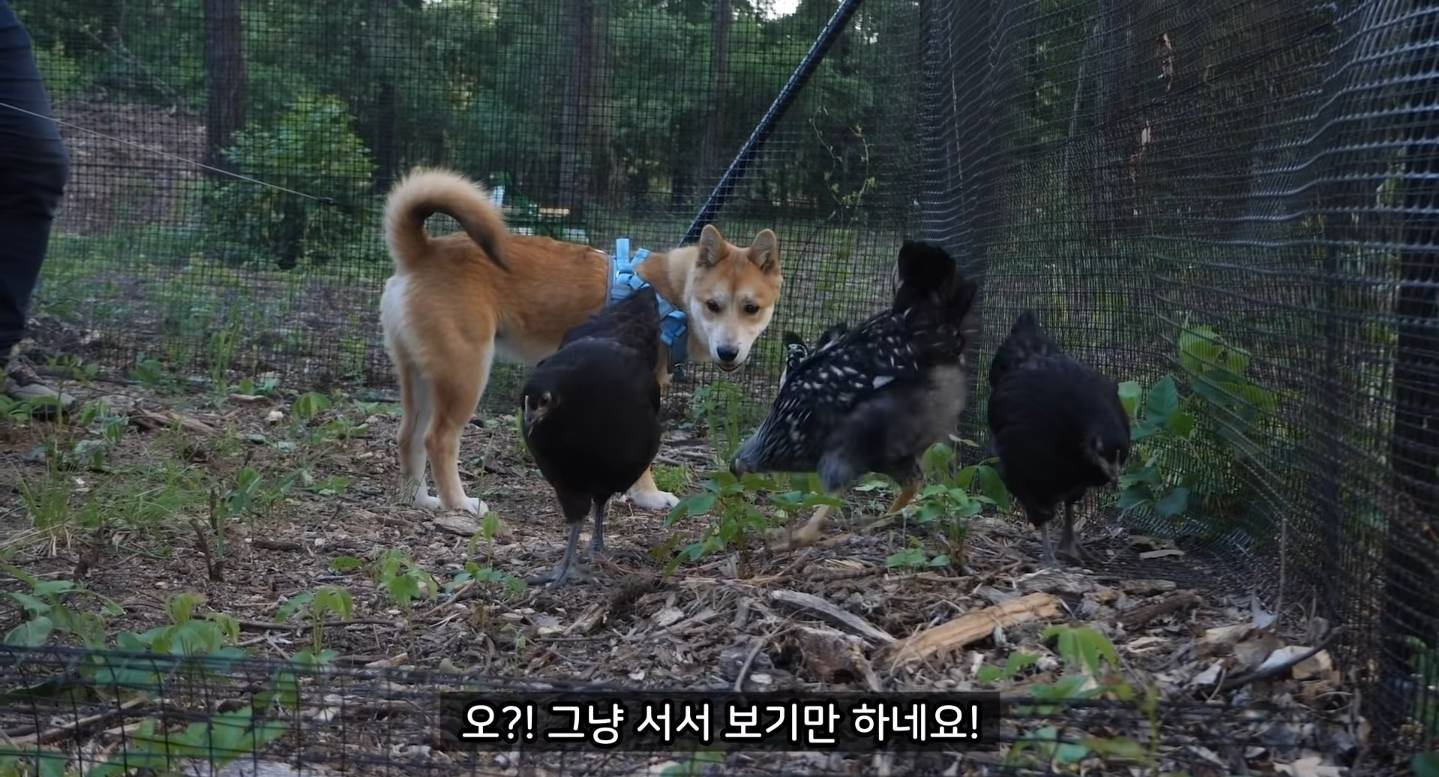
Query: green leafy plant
point(258, 387)
point(915, 557)
point(47, 611)
point(507, 583)
point(309, 148)
point(218, 740)
point(1091, 670)
point(1013, 666)
point(395, 573)
point(674, 478)
point(319, 605)
point(403, 579)
point(698, 764)
point(736, 504)
point(309, 405)
point(154, 375)
point(1424, 660)
point(720, 407)
point(185, 635)
point(954, 495)
point(1189, 447)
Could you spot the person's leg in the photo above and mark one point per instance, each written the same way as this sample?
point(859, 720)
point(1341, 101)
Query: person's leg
point(33, 171)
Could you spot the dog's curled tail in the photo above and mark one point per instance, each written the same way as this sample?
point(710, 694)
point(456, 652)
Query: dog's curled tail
point(423, 193)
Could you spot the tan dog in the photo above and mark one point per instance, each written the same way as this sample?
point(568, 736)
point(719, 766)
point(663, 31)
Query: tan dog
point(455, 302)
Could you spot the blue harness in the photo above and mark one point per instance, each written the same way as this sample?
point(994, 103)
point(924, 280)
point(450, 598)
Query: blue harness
point(674, 324)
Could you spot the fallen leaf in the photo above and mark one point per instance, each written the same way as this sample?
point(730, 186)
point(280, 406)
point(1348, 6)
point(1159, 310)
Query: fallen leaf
point(460, 524)
point(1145, 645)
point(1312, 766)
point(1220, 640)
point(1147, 587)
point(1251, 653)
point(1282, 656)
point(1317, 666)
point(1208, 677)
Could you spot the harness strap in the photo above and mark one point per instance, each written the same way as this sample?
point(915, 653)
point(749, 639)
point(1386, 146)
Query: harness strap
point(674, 323)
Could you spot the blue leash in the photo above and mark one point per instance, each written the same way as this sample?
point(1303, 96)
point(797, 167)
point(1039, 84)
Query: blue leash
point(674, 324)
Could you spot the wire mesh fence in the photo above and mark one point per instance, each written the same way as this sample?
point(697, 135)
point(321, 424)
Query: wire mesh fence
point(1228, 202)
point(103, 713)
point(1233, 195)
point(590, 121)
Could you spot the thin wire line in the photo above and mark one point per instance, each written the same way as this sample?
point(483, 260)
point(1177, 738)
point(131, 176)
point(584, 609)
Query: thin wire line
point(176, 157)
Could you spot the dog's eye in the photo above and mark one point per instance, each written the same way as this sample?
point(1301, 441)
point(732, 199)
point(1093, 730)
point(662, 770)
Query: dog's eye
point(750, 308)
point(713, 305)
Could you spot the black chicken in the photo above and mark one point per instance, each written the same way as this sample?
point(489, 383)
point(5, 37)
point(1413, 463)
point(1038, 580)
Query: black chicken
point(1058, 428)
point(873, 398)
point(591, 414)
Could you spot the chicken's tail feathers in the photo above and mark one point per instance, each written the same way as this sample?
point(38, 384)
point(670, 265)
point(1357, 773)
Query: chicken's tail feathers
point(1025, 343)
point(632, 321)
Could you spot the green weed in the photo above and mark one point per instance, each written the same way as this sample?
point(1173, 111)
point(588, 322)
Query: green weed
point(318, 605)
point(736, 505)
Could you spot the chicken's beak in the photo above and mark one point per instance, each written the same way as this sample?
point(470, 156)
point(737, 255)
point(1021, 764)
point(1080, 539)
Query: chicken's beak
point(1111, 470)
point(534, 415)
point(746, 459)
point(736, 467)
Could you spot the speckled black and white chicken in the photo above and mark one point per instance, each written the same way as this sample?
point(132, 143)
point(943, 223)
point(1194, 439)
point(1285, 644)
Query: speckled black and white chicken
point(875, 397)
point(1058, 427)
point(591, 414)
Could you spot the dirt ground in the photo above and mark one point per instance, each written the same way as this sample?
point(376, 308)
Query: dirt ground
point(839, 615)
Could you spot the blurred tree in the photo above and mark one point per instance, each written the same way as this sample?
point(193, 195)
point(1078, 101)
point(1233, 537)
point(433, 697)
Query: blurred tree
point(225, 77)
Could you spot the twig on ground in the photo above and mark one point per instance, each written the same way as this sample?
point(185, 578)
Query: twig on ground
point(759, 643)
point(261, 542)
point(50, 735)
point(214, 566)
point(1139, 616)
point(1259, 674)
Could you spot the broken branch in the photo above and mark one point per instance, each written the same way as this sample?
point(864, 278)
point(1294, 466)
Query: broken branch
point(832, 614)
point(975, 626)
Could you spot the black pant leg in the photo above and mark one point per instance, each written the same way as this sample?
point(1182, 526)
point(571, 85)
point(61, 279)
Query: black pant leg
point(33, 171)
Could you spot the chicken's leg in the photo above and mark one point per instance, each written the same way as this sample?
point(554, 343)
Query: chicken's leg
point(1048, 542)
point(807, 534)
point(559, 574)
point(1069, 546)
point(904, 498)
point(597, 542)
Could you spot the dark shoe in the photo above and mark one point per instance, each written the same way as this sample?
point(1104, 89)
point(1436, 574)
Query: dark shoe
point(22, 384)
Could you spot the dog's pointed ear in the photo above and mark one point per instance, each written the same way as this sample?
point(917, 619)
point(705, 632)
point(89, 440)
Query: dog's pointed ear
point(764, 252)
point(712, 247)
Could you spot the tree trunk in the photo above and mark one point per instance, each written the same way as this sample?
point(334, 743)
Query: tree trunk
point(225, 77)
point(1110, 126)
point(604, 173)
point(386, 107)
point(716, 154)
point(575, 118)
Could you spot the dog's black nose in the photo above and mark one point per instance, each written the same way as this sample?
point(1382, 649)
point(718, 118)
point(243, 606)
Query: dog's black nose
point(727, 354)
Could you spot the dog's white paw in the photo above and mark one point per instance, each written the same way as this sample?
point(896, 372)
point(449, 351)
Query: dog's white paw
point(425, 501)
point(474, 505)
point(653, 500)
